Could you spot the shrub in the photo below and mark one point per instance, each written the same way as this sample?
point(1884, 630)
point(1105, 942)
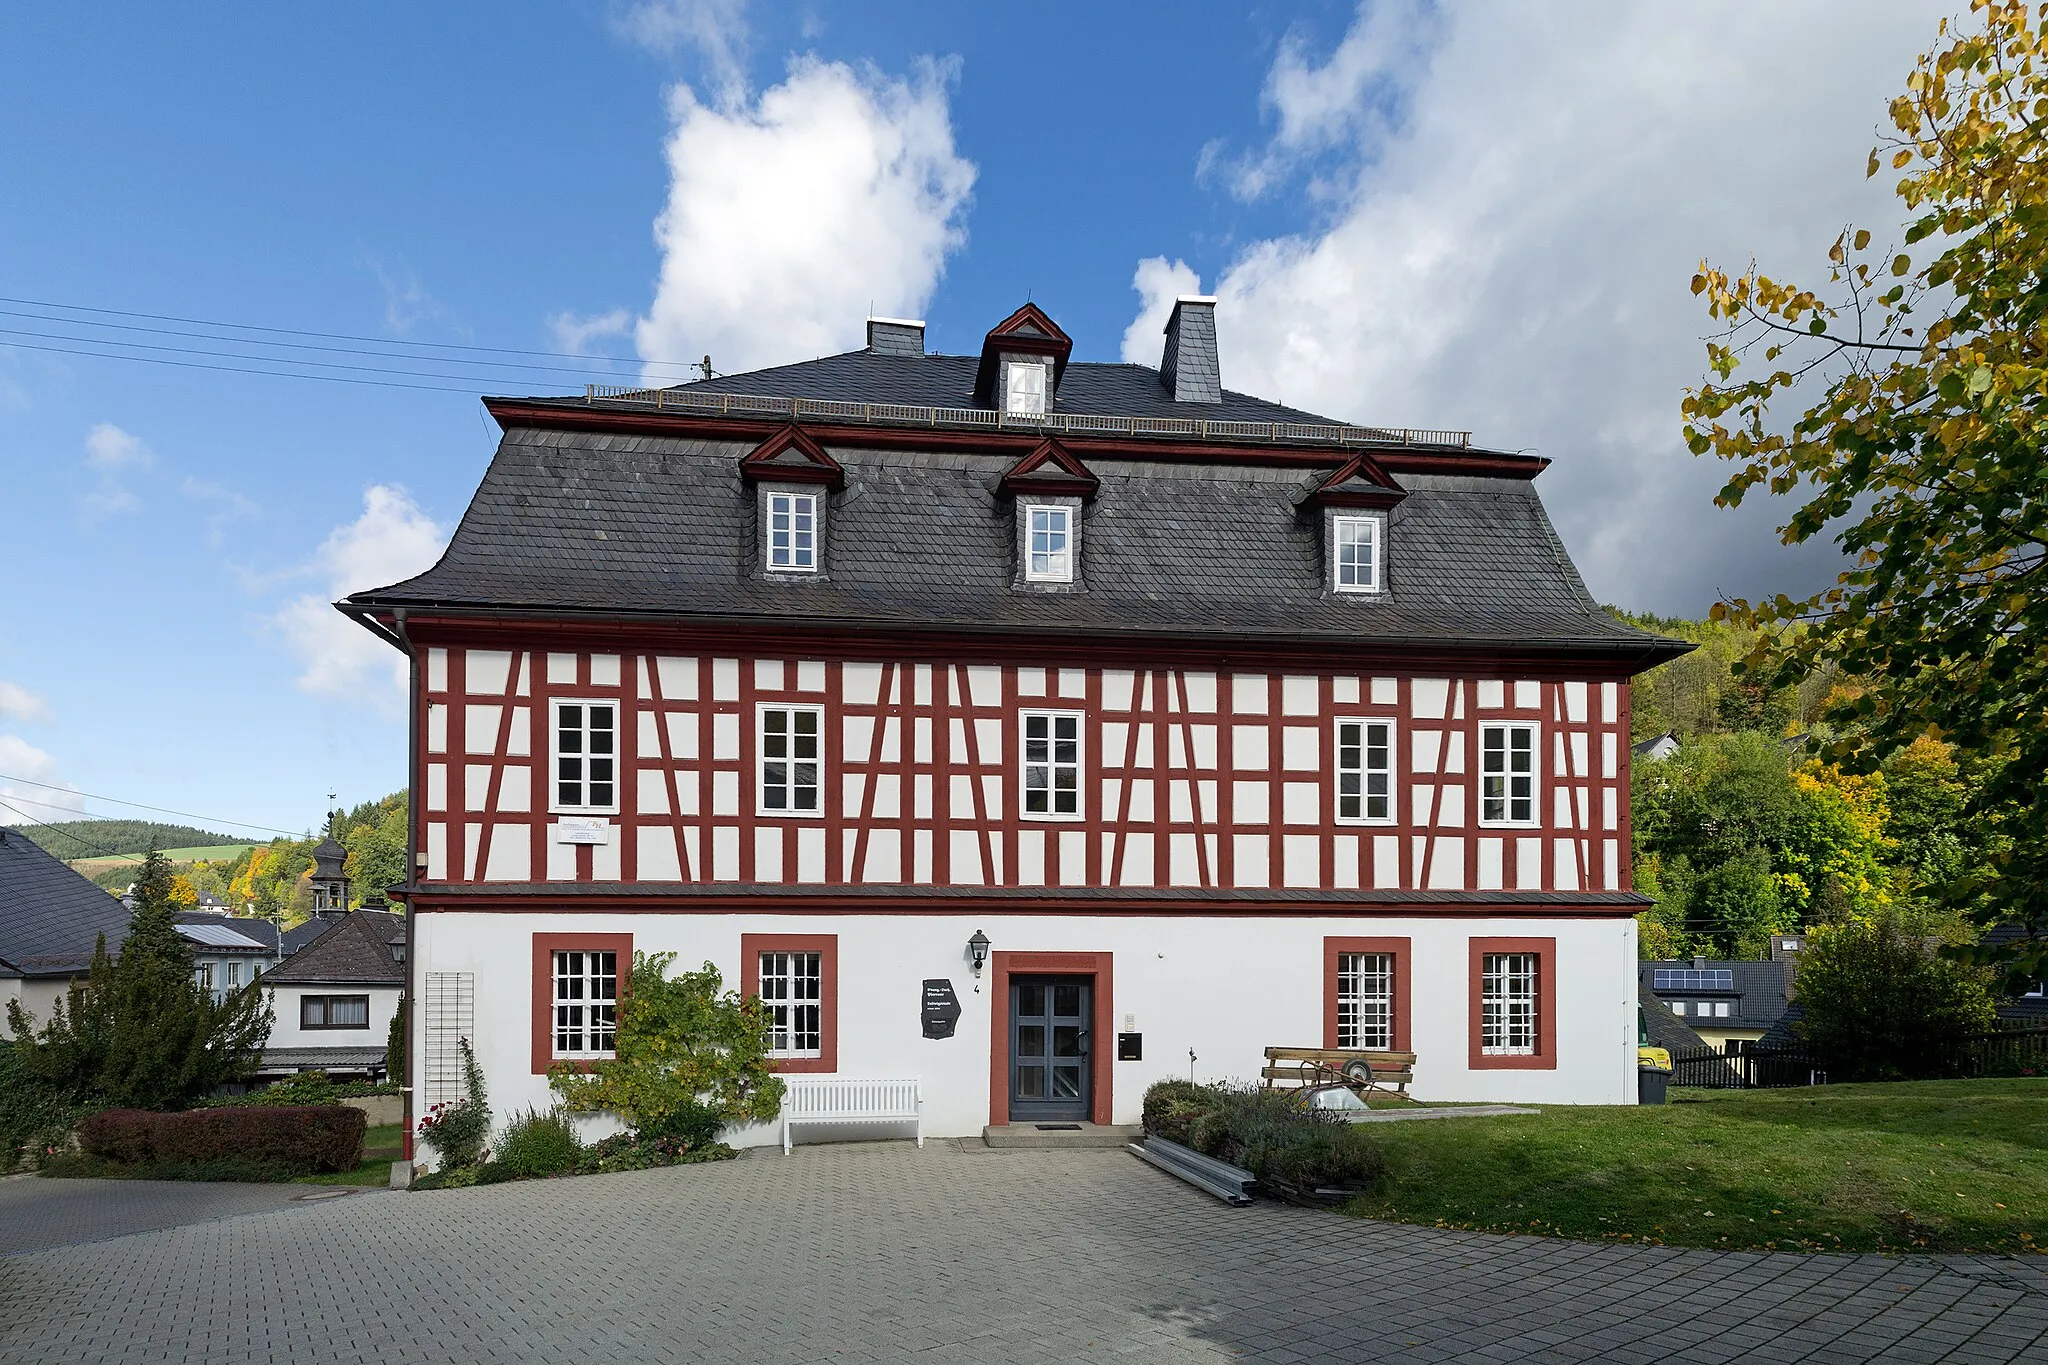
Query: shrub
point(303, 1140)
point(539, 1144)
point(1290, 1147)
point(35, 1116)
point(1879, 1005)
point(118, 1134)
point(457, 1130)
point(685, 1045)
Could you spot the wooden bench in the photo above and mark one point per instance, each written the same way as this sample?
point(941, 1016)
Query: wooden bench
point(1361, 1070)
point(836, 1099)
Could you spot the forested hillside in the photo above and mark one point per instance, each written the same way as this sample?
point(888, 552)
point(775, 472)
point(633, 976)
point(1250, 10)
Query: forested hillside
point(96, 838)
point(1742, 835)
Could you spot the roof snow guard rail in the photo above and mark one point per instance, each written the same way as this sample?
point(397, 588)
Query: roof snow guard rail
point(1079, 424)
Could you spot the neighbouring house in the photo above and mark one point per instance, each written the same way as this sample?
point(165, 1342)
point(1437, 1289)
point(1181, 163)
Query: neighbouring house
point(1728, 1004)
point(50, 920)
point(2028, 1008)
point(332, 1001)
point(225, 958)
point(1656, 748)
point(1036, 728)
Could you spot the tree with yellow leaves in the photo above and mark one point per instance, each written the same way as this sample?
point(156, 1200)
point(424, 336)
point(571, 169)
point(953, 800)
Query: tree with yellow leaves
point(1923, 449)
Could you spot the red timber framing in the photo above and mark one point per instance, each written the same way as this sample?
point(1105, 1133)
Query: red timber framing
point(545, 946)
point(1102, 1029)
point(1545, 1056)
point(1220, 779)
point(826, 946)
point(1398, 949)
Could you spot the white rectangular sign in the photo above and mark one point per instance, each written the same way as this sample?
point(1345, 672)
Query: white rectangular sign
point(583, 831)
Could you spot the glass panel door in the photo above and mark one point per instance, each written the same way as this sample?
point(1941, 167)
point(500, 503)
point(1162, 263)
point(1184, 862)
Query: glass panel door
point(1050, 1048)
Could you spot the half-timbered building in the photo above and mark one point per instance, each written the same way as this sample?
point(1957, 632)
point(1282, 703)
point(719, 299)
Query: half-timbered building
point(1157, 723)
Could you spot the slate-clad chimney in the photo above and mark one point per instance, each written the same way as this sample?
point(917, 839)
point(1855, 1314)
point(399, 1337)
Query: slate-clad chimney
point(896, 336)
point(1189, 364)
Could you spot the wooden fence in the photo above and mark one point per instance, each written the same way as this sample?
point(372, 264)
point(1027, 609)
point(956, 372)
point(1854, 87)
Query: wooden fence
point(2006, 1052)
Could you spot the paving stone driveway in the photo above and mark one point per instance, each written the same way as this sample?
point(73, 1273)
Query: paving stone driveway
point(883, 1252)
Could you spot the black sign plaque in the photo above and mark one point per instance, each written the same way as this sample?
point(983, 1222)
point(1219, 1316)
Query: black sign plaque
point(941, 1008)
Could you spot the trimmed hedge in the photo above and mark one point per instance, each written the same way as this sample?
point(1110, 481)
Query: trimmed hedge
point(310, 1138)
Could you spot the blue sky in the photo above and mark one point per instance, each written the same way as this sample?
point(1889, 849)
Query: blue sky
point(1459, 216)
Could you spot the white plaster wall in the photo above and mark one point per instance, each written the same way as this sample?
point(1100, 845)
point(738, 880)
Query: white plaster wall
point(38, 997)
point(285, 1032)
point(1224, 987)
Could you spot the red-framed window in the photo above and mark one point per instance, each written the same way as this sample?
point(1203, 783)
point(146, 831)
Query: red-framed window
point(796, 979)
point(1365, 993)
point(577, 982)
point(1513, 1010)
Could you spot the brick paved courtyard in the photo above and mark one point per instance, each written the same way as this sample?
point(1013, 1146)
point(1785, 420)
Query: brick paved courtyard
point(955, 1253)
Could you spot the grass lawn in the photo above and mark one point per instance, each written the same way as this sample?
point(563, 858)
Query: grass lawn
point(1917, 1166)
point(381, 1147)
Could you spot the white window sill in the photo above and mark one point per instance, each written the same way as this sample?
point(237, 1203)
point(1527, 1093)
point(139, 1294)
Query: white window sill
point(1370, 822)
point(1507, 1052)
point(1039, 817)
point(1357, 592)
point(789, 573)
point(790, 814)
point(1511, 824)
point(576, 812)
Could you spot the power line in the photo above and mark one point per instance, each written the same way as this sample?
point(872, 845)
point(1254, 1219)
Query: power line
point(587, 369)
point(242, 369)
point(280, 360)
point(87, 845)
point(161, 810)
point(334, 336)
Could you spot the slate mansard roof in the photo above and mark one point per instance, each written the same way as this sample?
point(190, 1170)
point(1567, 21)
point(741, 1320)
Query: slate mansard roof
point(651, 518)
point(50, 916)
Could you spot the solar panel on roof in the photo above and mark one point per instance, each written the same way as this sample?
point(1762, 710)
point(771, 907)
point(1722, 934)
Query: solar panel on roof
point(218, 936)
point(1693, 979)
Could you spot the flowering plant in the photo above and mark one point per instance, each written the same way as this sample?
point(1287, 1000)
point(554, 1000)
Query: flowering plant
point(457, 1129)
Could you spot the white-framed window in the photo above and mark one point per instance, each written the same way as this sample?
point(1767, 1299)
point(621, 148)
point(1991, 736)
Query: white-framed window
point(1507, 774)
point(1720, 1009)
point(586, 737)
point(334, 1011)
point(1049, 542)
point(202, 975)
point(1678, 1007)
point(234, 976)
point(1024, 388)
point(1355, 553)
point(1052, 765)
point(792, 995)
point(586, 1003)
point(792, 533)
point(1365, 1000)
point(792, 763)
point(1507, 1005)
point(1365, 772)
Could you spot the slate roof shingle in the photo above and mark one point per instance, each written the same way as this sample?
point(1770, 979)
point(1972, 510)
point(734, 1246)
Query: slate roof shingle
point(582, 521)
point(1757, 1001)
point(50, 916)
point(355, 951)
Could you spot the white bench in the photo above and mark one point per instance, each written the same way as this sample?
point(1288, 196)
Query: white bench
point(833, 1099)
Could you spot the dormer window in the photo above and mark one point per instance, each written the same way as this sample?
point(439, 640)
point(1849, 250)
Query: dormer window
point(1049, 554)
point(1355, 556)
point(792, 532)
point(1024, 388)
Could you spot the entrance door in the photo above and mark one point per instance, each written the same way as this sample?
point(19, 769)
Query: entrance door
point(1051, 1073)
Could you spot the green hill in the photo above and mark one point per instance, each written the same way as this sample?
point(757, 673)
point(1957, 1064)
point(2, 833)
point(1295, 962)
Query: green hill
point(72, 839)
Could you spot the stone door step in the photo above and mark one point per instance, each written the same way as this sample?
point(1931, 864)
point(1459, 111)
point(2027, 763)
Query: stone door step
point(1053, 1136)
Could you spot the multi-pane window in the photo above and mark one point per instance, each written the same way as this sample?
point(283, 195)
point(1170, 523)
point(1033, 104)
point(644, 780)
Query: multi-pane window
point(203, 975)
point(586, 755)
point(1507, 1005)
point(1050, 551)
point(586, 1003)
point(1507, 774)
point(234, 975)
point(792, 769)
point(1024, 388)
point(1357, 554)
point(334, 1011)
point(1052, 763)
point(1365, 771)
point(792, 996)
point(1365, 1000)
point(793, 532)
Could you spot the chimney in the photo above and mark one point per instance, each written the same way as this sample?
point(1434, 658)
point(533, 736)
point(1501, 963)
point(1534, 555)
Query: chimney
point(896, 336)
point(1699, 964)
point(1188, 365)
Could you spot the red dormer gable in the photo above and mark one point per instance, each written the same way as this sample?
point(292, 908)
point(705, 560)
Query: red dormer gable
point(1052, 470)
point(1028, 331)
point(791, 456)
point(1358, 482)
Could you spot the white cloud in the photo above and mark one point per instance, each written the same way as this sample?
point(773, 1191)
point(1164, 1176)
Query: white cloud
point(392, 540)
point(1517, 212)
point(18, 703)
point(110, 453)
point(22, 800)
point(573, 333)
point(717, 29)
point(791, 214)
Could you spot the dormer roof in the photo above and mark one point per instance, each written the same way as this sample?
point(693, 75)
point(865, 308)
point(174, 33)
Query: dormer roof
point(791, 456)
point(1051, 470)
point(1028, 331)
point(1358, 482)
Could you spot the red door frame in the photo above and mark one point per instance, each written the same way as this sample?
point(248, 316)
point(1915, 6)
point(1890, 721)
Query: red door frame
point(1102, 1038)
